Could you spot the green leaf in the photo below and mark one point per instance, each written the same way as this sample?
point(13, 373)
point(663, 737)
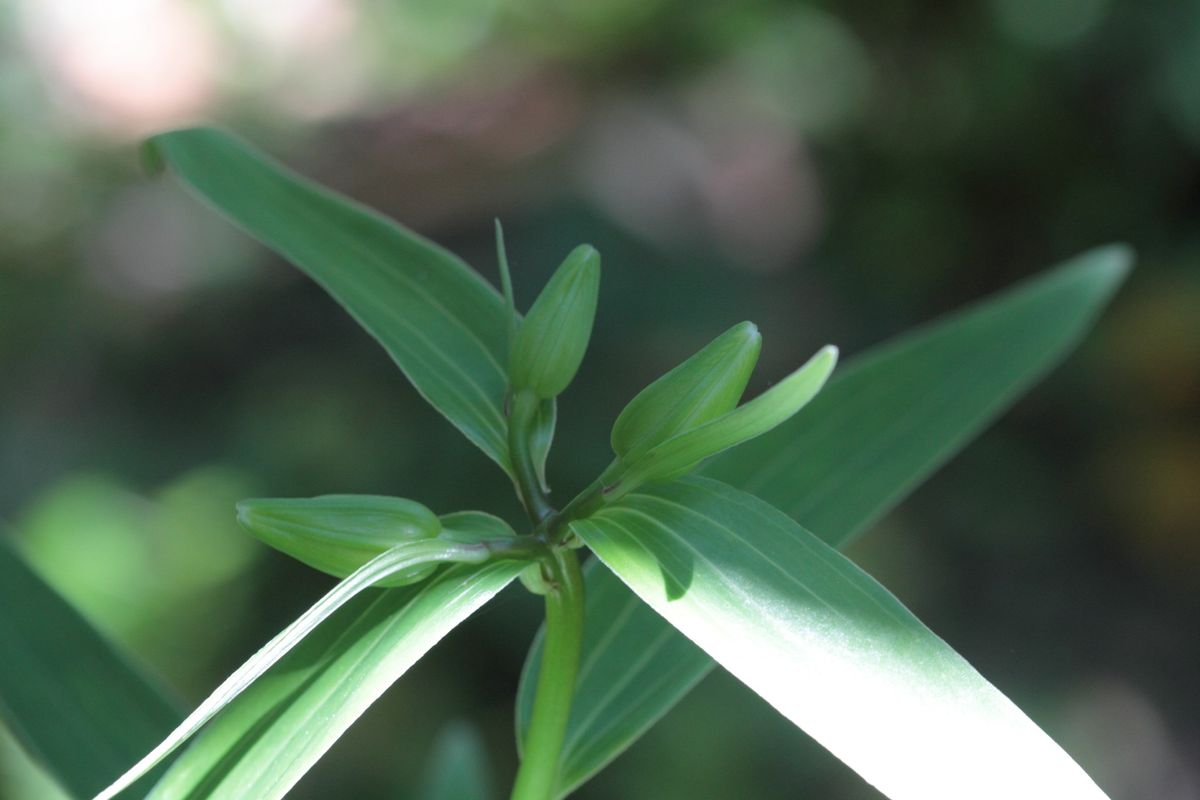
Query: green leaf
point(826, 645)
point(458, 767)
point(443, 325)
point(257, 750)
point(884, 422)
point(77, 704)
point(893, 416)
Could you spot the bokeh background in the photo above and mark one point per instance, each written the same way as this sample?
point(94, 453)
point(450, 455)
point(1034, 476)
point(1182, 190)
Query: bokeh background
point(835, 171)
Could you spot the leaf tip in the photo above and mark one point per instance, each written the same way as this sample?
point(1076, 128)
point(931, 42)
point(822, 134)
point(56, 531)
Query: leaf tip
point(1103, 268)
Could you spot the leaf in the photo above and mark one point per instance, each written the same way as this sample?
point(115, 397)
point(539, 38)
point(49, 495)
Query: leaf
point(444, 326)
point(269, 737)
point(401, 559)
point(77, 704)
point(896, 414)
point(826, 645)
point(458, 767)
point(901, 411)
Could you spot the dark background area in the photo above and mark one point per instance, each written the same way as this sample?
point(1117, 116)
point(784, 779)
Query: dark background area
point(836, 172)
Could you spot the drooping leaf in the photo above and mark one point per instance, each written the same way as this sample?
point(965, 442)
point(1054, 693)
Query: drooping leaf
point(78, 705)
point(443, 325)
point(901, 411)
point(274, 731)
point(309, 699)
point(826, 645)
point(403, 558)
point(458, 767)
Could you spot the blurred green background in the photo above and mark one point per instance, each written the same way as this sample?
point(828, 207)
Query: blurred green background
point(835, 171)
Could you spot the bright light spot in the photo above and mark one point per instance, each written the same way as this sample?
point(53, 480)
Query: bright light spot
point(130, 65)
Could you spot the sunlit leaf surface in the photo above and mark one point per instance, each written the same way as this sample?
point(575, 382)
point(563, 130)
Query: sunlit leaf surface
point(826, 645)
point(886, 420)
point(266, 739)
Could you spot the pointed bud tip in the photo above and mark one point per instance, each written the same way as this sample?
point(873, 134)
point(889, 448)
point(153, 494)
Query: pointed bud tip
point(245, 511)
point(586, 253)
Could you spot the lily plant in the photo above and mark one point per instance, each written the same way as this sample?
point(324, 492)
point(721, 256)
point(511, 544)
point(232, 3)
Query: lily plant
point(712, 538)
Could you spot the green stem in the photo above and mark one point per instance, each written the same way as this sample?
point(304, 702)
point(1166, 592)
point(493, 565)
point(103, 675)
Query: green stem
point(523, 407)
point(538, 774)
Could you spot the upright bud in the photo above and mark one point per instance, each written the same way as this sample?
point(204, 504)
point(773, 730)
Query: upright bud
point(550, 343)
point(337, 534)
point(700, 389)
point(684, 451)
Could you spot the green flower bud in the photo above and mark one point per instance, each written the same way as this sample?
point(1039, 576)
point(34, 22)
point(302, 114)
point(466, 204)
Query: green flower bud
point(550, 343)
point(337, 534)
point(684, 451)
point(534, 579)
point(473, 527)
point(702, 388)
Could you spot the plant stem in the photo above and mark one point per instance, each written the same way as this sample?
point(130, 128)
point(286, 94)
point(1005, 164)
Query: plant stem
point(523, 407)
point(537, 776)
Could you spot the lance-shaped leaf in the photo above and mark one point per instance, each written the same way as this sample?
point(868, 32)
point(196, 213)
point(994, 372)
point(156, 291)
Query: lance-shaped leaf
point(704, 387)
point(826, 645)
point(443, 325)
point(902, 410)
point(899, 412)
point(402, 557)
point(551, 341)
point(682, 452)
point(80, 707)
point(273, 733)
point(339, 533)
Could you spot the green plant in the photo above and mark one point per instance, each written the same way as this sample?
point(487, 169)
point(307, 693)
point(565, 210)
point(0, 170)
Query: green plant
point(695, 543)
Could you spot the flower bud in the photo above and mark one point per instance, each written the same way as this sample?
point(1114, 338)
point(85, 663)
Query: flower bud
point(337, 534)
point(552, 338)
point(534, 579)
point(473, 527)
point(702, 388)
point(684, 451)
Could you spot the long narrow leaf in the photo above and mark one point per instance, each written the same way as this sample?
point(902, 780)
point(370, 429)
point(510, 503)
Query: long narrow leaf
point(273, 732)
point(826, 645)
point(79, 706)
point(895, 415)
point(444, 326)
point(899, 412)
point(403, 557)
